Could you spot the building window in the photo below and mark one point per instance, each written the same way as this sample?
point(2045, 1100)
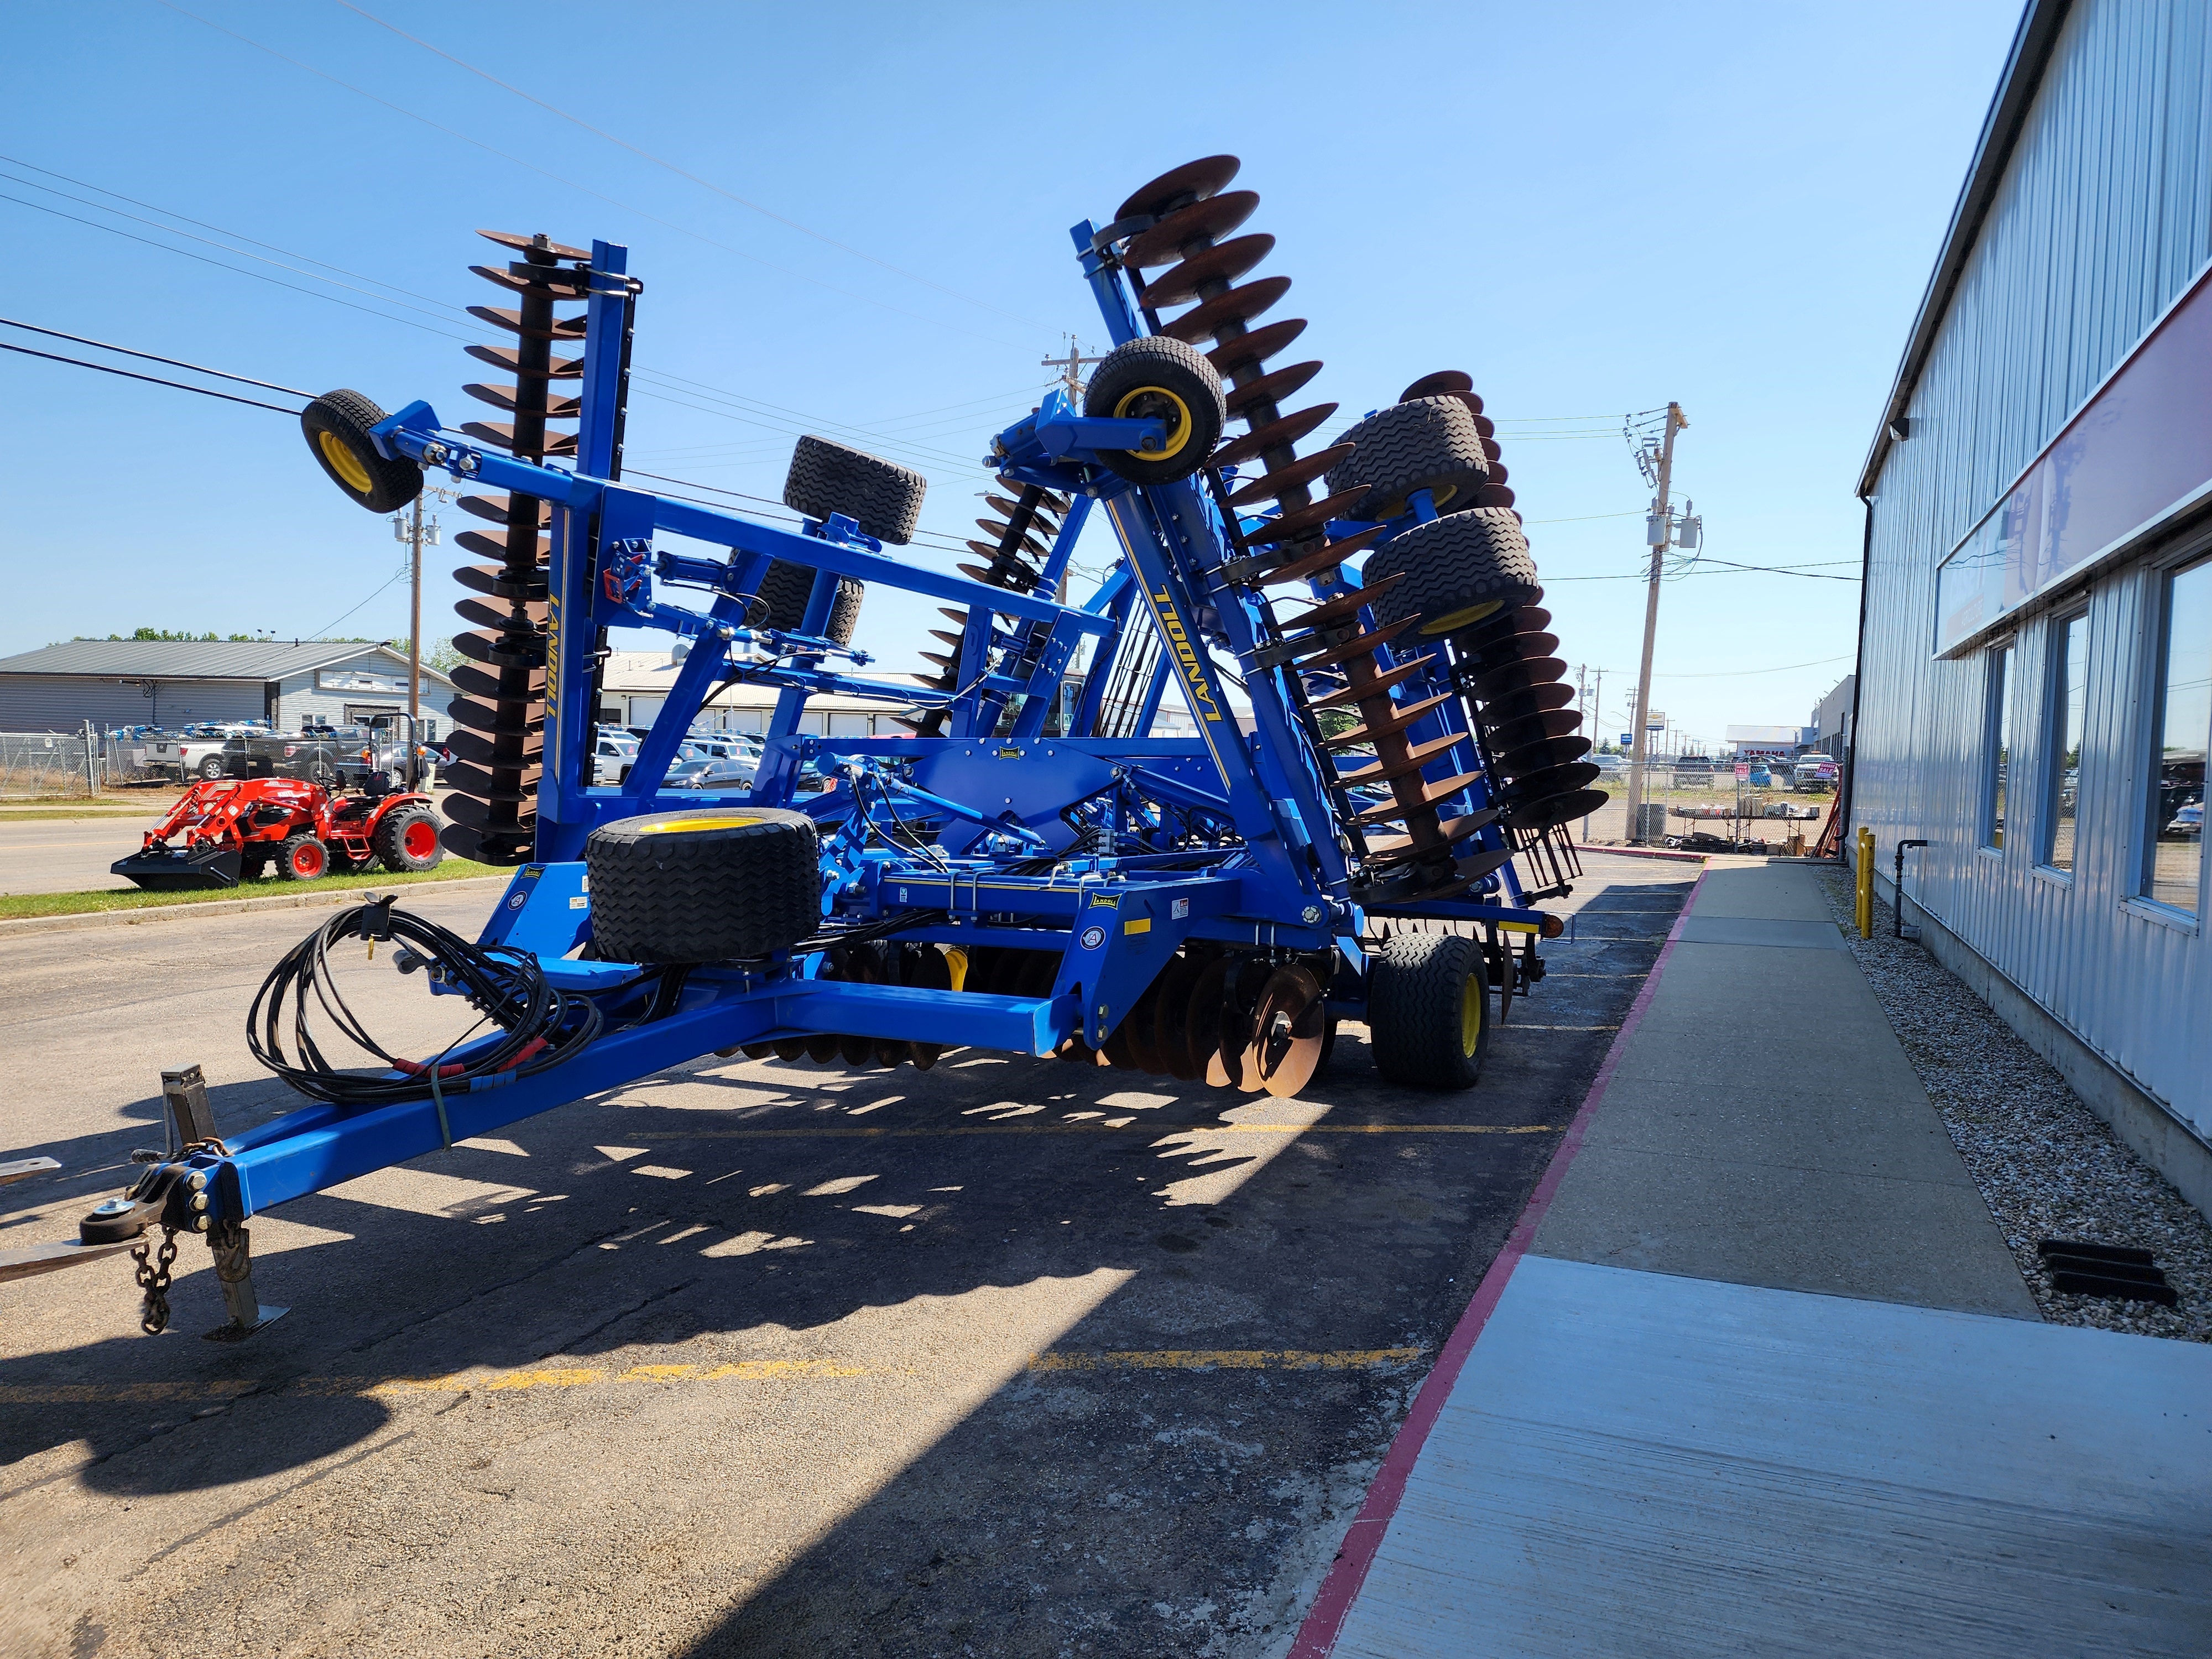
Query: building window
point(2183, 709)
point(1997, 746)
point(2070, 683)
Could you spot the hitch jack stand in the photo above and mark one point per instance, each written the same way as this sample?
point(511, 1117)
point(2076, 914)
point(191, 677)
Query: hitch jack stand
point(233, 1267)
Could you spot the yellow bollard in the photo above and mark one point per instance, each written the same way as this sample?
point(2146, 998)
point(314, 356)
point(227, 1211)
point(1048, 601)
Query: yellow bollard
point(1866, 883)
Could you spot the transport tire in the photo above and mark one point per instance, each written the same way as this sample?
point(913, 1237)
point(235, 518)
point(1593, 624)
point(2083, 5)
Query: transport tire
point(1428, 1010)
point(337, 425)
point(212, 767)
point(1155, 377)
point(302, 858)
point(253, 866)
point(1428, 443)
point(1458, 569)
point(882, 497)
point(407, 840)
point(788, 588)
point(714, 885)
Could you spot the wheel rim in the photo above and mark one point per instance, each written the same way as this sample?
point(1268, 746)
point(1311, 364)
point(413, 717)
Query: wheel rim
point(307, 862)
point(343, 461)
point(419, 841)
point(1157, 403)
point(1470, 1015)
point(1458, 619)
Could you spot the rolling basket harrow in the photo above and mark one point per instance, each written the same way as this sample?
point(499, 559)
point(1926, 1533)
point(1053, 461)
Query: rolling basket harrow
point(1018, 871)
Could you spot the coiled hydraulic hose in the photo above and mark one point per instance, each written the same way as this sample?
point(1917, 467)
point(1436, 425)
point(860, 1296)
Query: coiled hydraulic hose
point(540, 1026)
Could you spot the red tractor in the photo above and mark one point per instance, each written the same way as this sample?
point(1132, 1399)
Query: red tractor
point(225, 830)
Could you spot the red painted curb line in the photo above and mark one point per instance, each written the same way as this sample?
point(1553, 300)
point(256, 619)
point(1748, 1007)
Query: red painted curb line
point(1317, 1636)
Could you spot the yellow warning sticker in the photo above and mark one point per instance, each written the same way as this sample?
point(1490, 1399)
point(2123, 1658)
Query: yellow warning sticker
point(1138, 925)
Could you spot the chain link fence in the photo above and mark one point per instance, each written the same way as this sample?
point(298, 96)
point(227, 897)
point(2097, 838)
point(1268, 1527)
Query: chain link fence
point(54, 765)
point(1682, 801)
point(38, 764)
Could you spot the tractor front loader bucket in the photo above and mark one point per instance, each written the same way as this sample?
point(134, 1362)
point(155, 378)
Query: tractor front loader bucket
point(176, 869)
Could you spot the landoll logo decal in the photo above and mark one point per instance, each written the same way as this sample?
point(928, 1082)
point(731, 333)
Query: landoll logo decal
point(1193, 665)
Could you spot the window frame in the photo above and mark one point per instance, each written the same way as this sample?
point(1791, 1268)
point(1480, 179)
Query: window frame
point(1999, 663)
point(2149, 739)
point(2058, 664)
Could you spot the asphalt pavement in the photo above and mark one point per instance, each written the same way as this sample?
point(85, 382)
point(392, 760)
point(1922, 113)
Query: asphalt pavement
point(66, 855)
point(1007, 1357)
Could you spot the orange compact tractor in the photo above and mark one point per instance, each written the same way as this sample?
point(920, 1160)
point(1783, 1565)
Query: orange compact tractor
point(225, 830)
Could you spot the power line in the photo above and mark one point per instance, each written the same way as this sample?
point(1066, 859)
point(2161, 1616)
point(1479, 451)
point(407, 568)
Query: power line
point(171, 213)
point(173, 362)
point(582, 189)
point(154, 379)
point(187, 253)
point(171, 230)
point(682, 172)
point(1741, 673)
point(703, 387)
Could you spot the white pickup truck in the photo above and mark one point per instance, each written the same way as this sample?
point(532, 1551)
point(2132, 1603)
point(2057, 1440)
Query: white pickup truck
point(197, 750)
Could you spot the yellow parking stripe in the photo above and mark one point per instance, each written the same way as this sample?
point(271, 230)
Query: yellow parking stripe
point(549, 1378)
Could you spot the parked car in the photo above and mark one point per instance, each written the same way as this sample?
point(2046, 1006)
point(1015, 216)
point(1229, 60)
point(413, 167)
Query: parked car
point(1693, 763)
point(727, 777)
point(2188, 823)
point(1761, 776)
point(1815, 773)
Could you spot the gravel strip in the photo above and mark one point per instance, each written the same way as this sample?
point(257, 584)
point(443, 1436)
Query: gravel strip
point(2046, 1165)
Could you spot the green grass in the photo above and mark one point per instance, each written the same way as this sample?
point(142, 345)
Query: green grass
point(132, 898)
point(150, 814)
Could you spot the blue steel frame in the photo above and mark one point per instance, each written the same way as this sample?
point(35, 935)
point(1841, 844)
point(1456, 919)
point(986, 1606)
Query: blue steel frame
point(1112, 851)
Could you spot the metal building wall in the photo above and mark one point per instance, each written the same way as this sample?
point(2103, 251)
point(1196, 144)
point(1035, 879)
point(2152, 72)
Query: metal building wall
point(2103, 218)
point(59, 702)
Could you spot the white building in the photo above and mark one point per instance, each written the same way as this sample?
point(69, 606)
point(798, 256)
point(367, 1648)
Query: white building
point(2035, 663)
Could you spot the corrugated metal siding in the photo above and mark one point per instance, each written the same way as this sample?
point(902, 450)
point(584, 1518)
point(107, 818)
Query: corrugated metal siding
point(44, 702)
point(2104, 217)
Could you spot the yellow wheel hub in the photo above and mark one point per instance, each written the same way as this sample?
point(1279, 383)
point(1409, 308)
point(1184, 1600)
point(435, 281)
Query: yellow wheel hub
point(1470, 1015)
point(1157, 403)
point(1473, 613)
point(681, 826)
point(343, 461)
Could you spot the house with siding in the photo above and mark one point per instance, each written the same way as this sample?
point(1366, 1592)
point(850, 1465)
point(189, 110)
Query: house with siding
point(2034, 693)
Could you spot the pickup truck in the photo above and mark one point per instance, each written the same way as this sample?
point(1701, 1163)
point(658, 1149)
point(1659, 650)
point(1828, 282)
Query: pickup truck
point(194, 750)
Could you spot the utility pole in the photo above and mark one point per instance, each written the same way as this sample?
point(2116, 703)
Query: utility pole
point(412, 531)
point(1658, 534)
point(415, 632)
point(1071, 366)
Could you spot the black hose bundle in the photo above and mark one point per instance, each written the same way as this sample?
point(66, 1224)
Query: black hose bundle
point(540, 1026)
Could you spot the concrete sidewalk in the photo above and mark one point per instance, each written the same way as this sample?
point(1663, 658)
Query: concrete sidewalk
point(1759, 1375)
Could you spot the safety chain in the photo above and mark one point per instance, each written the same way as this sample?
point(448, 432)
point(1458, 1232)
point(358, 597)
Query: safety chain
point(154, 1279)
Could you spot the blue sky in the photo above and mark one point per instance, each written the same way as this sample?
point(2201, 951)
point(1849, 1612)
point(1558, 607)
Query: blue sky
point(1591, 208)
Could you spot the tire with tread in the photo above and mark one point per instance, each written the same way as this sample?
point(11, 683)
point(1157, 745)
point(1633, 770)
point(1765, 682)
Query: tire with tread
point(703, 886)
point(1417, 991)
point(788, 588)
point(297, 849)
point(391, 837)
point(1458, 569)
point(1425, 443)
point(337, 427)
point(882, 497)
point(1156, 375)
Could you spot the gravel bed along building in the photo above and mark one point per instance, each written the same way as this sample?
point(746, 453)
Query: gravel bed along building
point(2046, 1165)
